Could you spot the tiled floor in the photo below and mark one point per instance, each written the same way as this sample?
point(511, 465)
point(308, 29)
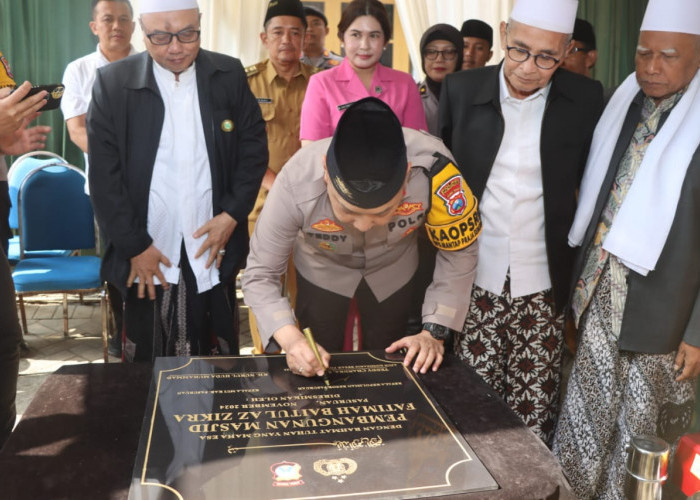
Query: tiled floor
point(49, 349)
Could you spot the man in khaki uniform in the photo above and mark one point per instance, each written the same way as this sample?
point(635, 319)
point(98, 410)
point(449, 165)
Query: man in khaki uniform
point(350, 207)
point(279, 84)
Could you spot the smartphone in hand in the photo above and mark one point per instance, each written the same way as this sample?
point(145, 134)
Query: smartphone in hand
point(55, 92)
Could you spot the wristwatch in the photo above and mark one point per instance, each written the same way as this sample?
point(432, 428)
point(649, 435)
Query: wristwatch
point(438, 332)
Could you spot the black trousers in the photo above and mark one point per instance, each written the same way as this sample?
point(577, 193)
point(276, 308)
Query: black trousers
point(326, 314)
point(10, 338)
point(181, 322)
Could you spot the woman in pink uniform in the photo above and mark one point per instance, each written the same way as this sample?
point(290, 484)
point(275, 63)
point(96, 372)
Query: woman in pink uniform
point(364, 30)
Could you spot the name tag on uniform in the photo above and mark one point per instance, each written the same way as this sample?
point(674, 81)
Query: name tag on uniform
point(264, 100)
point(345, 106)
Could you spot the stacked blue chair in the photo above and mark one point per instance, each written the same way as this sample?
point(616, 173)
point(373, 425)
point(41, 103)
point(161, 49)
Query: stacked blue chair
point(54, 213)
point(19, 169)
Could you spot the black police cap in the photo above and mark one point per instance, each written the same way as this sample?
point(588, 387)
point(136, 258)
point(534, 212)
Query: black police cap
point(285, 8)
point(366, 160)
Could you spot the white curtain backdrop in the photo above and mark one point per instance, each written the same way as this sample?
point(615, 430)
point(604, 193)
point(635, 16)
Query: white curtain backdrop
point(230, 28)
point(418, 15)
point(227, 27)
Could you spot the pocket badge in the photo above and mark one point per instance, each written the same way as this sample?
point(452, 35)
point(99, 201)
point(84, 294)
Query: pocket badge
point(227, 126)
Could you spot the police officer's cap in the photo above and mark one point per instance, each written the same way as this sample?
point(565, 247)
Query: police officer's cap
point(285, 8)
point(311, 11)
point(477, 29)
point(366, 160)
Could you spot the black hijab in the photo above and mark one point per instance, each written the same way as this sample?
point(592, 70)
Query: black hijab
point(441, 32)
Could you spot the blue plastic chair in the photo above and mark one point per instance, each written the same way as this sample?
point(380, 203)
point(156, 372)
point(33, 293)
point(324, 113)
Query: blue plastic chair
point(18, 171)
point(55, 213)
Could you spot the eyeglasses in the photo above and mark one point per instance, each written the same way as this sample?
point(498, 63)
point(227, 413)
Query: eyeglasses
point(542, 61)
point(447, 54)
point(183, 36)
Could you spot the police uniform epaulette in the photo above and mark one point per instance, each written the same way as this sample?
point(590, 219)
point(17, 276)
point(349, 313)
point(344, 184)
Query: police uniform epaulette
point(441, 161)
point(254, 69)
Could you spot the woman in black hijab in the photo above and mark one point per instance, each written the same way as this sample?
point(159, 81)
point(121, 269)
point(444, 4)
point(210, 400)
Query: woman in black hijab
point(441, 48)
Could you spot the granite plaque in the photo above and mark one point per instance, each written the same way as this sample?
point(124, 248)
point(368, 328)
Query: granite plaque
point(247, 427)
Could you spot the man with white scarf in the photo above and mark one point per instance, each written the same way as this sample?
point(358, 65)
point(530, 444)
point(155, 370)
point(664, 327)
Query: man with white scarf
point(177, 151)
point(636, 295)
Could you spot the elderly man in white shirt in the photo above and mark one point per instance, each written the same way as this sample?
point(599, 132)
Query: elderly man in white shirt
point(177, 150)
point(520, 132)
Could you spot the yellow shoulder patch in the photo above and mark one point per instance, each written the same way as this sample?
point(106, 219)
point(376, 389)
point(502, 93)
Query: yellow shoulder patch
point(254, 69)
point(453, 222)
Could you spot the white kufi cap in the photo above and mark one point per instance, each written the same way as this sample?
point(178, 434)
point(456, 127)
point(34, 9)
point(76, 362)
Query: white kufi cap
point(551, 15)
point(678, 16)
point(151, 6)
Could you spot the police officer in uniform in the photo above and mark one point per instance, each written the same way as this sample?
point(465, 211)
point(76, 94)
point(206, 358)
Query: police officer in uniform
point(350, 207)
point(315, 51)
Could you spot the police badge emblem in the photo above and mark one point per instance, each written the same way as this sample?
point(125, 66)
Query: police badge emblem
point(337, 469)
point(286, 474)
point(452, 193)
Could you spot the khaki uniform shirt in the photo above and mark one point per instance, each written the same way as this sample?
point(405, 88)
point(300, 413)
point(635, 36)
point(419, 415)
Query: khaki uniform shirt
point(335, 256)
point(280, 102)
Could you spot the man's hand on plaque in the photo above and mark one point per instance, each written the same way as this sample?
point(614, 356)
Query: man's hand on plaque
point(426, 350)
point(300, 357)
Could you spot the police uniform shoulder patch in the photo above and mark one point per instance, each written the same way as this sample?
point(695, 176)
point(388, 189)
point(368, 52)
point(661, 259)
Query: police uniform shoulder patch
point(8, 80)
point(453, 221)
point(423, 91)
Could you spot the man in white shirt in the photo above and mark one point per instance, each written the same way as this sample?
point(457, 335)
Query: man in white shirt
point(520, 133)
point(177, 148)
point(113, 24)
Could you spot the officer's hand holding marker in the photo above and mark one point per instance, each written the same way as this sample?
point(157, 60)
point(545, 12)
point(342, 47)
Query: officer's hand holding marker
point(302, 359)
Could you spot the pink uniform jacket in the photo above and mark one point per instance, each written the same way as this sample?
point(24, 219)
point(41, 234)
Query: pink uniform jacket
point(331, 91)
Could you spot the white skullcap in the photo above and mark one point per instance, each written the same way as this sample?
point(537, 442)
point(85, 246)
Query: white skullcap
point(678, 16)
point(151, 6)
point(551, 15)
